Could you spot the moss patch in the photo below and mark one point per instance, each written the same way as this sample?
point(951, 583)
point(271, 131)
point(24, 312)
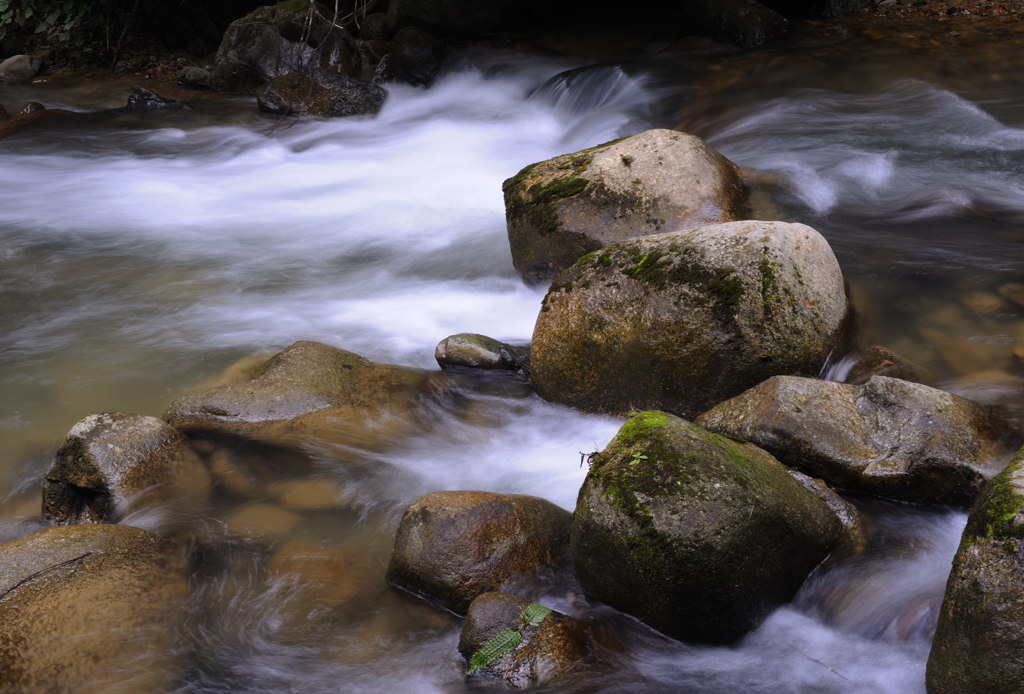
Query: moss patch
point(999, 513)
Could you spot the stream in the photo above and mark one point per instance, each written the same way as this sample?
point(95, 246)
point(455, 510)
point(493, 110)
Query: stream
point(140, 257)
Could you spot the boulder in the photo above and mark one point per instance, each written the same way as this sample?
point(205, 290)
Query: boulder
point(312, 389)
point(683, 320)
point(979, 637)
point(325, 94)
point(88, 608)
point(416, 57)
point(697, 535)
point(888, 437)
point(656, 181)
point(744, 23)
point(452, 546)
point(474, 351)
point(114, 462)
point(20, 68)
point(278, 39)
point(508, 639)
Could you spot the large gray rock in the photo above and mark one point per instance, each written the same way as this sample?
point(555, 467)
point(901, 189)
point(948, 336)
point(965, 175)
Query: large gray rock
point(312, 389)
point(656, 181)
point(683, 320)
point(979, 639)
point(507, 638)
point(888, 437)
point(20, 68)
point(697, 535)
point(89, 608)
point(274, 40)
point(113, 462)
point(452, 546)
point(325, 94)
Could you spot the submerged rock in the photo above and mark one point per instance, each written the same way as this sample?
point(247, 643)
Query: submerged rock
point(142, 99)
point(875, 360)
point(888, 437)
point(452, 546)
point(656, 181)
point(475, 351)
point(696, 535)
point(88, 608)
point(325, 94)
point(312, 389)
point(683, 320)
point(113, 462)
point(979, 638)
point(507, 638)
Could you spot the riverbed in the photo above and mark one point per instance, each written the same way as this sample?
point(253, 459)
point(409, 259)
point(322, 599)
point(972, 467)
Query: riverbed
point(140, 257)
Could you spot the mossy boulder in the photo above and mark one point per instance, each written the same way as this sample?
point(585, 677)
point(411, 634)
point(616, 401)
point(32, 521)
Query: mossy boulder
point(979, 637)
point(697, 535)
point(313, 389)
point(114, 462)
point(653, 182)
point(887, 437)
point(684, 320)
point(322, 93)
point(509, 639)
point(452, 546)
point(88, 608)
point(275, 40)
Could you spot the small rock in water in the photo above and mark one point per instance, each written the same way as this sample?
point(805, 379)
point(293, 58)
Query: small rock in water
point(480, 352)
point(141, 99)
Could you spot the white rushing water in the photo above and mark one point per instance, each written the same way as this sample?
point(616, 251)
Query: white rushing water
point(135, 262)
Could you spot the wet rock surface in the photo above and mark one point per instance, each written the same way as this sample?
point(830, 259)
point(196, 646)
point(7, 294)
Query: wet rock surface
point(325, 94)
point(114, 462)
point(89, 608)
point(696, 535)
point(979, 637)
point(888, 437)
point(682, 321)
point(452, 546)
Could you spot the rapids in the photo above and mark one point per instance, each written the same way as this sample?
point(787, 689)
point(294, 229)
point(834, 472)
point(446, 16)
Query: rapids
point(138, 259)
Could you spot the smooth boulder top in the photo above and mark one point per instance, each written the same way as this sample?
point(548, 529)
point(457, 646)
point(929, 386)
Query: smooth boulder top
point(684, 320)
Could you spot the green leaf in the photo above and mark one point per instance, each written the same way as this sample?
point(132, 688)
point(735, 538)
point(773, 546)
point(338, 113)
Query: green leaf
point(501, 643)
point(535, 613)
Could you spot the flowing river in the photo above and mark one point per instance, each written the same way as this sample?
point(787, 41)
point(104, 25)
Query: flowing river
point(140, 256)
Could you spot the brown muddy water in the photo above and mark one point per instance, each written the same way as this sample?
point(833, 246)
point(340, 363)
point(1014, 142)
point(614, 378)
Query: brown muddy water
point(140, 256)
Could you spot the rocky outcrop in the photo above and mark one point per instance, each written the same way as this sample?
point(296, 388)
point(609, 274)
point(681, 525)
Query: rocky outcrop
point(312, 389)
point(114, 462)
point(508, 639)
point(275, 40)
point(452, 546)
point(888, 437)
point(325, 94)
point(980, 633)
point(683, 320)
point(470, 350)
point(695, 534)
point(88, 608)
point(653, 182)
point(416, 57)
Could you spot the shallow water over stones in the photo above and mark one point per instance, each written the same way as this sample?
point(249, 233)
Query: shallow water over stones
point(137, 259)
